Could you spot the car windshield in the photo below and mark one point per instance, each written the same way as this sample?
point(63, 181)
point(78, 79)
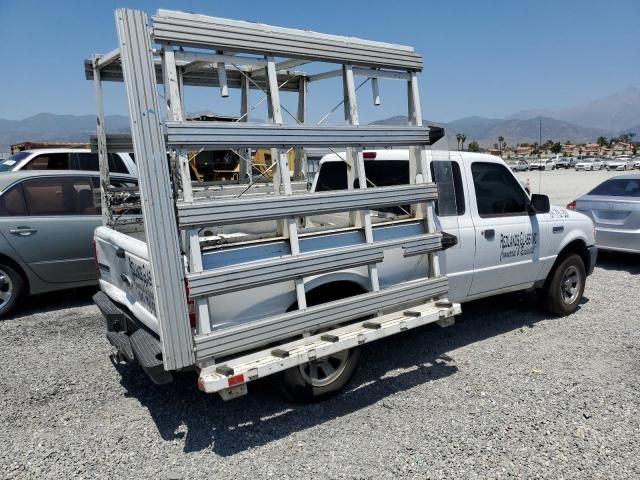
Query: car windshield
point(618, 187)
point(8, 163)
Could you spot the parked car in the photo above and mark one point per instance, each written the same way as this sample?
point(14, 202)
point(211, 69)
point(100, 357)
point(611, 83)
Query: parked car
point(563, 162)
point(67, 159)
point(589, 164)
point(47, 221)
point(573, 161)
point(614, 207)
point(543, 164)
point(518, 165)
point(619, 163)
point(636, 162)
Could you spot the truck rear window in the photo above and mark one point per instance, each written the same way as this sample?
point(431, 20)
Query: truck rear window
point(384, 173)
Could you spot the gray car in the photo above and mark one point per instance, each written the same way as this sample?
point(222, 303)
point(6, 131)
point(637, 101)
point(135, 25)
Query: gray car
point(614, 207)
point(47, 219)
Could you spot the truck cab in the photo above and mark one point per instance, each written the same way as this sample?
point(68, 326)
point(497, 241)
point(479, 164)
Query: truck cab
point(507, 239)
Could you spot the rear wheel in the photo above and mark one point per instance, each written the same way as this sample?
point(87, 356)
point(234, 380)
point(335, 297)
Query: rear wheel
point(11, 288)
point(324, 377)
point(321, 378)
point(564, 287)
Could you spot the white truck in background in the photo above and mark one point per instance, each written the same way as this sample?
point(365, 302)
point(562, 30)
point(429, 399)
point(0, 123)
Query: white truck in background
point(67, 159)
point(295, 282)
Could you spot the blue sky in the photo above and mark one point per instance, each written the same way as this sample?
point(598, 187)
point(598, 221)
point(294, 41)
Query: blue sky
point(488, 58)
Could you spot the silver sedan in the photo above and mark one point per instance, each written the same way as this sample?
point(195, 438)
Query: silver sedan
point(614, 207)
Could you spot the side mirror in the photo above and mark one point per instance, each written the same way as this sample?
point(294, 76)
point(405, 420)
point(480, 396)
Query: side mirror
point(540, 204)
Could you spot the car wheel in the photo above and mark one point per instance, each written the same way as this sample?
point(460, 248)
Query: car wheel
point(11, 289)
point(564, 287)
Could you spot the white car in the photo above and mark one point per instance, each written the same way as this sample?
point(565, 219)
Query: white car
point(636, 163)
point(67, 159)
point(543, 164)
point(619, 163)
point(589, 164)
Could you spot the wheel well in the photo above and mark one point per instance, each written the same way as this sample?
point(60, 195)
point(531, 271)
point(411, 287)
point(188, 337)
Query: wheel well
point(16, 266)
point(575, 247)
point(331, 291)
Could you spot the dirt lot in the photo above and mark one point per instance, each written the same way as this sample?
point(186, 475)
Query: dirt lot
point(508, 391)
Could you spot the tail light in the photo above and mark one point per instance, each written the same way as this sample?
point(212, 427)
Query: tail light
point(191, 306)
point(95, 256)
point(572, 205)
point(369, 154)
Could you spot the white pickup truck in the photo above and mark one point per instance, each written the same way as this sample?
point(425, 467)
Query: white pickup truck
point(240, 285)
point(506, 241)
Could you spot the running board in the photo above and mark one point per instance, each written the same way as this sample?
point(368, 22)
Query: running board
point(230, 378)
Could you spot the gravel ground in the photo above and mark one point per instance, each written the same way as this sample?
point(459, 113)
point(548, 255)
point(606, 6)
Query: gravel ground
point(508, 391)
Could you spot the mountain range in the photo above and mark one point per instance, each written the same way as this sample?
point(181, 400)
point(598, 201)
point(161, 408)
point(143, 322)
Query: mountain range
point(52, 127)
point(607, 116)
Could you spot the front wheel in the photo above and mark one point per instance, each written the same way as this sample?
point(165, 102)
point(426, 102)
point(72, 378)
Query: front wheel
point(564, 287)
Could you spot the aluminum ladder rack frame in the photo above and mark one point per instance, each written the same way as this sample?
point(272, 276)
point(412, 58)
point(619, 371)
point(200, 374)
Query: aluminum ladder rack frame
point(172, 213)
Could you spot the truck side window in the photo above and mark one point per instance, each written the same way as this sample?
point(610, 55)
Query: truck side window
point(498, 193)
point(88, 161)
point(116, 165)
point(49, 161)
point(452, 180)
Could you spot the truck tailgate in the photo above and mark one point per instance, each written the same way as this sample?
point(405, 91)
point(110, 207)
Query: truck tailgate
point(125, 273)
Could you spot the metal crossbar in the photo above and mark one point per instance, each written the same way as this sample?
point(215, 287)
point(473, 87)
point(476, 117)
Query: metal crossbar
point(259, 208)
point(187, 29)
point(264, 272)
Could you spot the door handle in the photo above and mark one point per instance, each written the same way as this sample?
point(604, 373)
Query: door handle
point(23, 231)
point(489, 234)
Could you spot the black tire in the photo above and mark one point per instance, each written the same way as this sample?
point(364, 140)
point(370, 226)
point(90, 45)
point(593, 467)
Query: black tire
point(296, 385)
point(11, 289)
point(564, 287)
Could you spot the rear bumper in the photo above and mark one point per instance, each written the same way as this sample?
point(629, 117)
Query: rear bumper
point(133, 342)
point(593, 257)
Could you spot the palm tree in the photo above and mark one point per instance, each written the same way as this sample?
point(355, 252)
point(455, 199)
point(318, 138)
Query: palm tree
point(500, 140)
point(463, 137)
point(458, 138)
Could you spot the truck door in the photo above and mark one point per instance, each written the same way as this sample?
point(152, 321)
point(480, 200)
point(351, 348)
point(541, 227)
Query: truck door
point(507, 237)
point(455, 219)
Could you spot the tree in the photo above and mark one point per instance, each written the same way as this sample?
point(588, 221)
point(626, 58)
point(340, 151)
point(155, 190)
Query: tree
point(556, 148)
point(458, 138)
point(602, 141)
point(474, 147)
point(499, 144)
point(463, 137)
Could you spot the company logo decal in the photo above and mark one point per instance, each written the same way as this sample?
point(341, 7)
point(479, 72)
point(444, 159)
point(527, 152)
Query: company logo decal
point(518, 244)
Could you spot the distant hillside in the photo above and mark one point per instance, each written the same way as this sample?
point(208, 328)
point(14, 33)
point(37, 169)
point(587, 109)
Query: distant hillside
point(615, 112)
point(48, 126)
point(473, 127)
point(486, 131)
